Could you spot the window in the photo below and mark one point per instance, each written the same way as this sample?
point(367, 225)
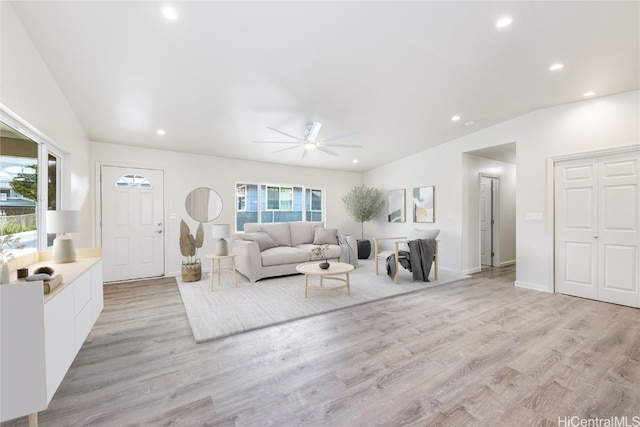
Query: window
point(277, 203)
point(314, 204)
point(241, 196)
point(279, 198)
point(29, 183)
point(133, 181)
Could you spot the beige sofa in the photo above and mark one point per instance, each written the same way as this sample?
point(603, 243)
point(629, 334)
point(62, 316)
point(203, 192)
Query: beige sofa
point(275, 249)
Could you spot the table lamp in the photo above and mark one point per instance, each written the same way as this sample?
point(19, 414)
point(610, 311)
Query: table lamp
point(221, 232)
point(63, 222)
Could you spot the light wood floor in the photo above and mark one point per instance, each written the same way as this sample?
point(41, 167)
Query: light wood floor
point(477, 352)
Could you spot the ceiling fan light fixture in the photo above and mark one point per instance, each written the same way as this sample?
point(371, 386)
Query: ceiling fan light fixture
point(309, 145)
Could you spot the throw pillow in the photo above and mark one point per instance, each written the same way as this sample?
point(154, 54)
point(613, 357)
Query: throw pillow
point(325, 235)
point(263, 240)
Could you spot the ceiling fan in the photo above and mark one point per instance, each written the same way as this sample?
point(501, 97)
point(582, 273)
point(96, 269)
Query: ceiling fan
point(311, 140)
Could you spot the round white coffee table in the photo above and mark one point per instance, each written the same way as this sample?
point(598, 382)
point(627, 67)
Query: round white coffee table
point(335, 269)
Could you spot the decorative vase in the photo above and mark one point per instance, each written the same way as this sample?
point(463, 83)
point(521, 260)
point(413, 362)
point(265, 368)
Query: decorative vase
point(5, 278)
point(191, 272)
point(324, 265)
point(364, 248)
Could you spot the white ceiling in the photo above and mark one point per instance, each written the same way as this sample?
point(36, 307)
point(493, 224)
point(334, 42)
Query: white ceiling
point(396, 72)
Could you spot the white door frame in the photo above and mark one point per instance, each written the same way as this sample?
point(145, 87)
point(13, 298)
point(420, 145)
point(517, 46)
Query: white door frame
point(98, 204)
point(551, 163)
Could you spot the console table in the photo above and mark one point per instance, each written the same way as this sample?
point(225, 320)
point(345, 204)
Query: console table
point(41, 334)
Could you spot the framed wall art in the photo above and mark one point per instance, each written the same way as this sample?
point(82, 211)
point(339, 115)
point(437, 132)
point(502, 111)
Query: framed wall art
point(423, 204)
point(396, 205)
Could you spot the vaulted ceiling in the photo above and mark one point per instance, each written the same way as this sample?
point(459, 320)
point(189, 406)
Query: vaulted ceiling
point(396, 72)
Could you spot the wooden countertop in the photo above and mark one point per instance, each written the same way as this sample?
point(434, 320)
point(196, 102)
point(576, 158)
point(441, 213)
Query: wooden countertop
point(70, 271)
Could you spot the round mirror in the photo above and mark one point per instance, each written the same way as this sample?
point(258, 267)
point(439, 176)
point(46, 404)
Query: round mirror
point(203, 204)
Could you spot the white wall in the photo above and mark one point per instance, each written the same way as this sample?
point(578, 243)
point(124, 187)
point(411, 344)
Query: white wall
point(29, 90)
point(184, 172)
point(607, 122)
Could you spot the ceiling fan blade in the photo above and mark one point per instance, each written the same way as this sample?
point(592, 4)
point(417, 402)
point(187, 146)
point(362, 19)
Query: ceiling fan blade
point(285, 134)
point(277, 142)
point(344, 145)
point(313, 131)
point(285, 149)
point(331, 138)
point(327, 150)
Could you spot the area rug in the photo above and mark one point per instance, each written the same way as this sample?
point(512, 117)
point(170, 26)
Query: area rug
point(228, 310)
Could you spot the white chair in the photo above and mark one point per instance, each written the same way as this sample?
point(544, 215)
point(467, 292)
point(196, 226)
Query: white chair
point(382, 255)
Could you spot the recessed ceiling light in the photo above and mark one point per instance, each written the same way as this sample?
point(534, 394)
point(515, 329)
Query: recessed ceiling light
point(161, 132)
point(354, 161)
point(455, 118)
point(590, 93)
point(170, 13)
point(557, 66)
point(505, 21)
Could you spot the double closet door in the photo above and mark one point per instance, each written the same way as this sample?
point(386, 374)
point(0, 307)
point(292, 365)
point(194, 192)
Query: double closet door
point(597, 205)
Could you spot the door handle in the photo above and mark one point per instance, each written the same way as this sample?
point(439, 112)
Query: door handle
point(158, 231)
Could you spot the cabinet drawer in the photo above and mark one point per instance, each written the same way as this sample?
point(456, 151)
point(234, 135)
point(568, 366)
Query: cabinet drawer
point(81, 292)
point(83, 324)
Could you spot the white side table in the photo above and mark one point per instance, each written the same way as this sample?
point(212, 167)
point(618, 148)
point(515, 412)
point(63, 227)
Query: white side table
point(219, 270)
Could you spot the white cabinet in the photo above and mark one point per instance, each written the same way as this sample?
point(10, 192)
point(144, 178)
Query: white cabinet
point(41, 335)
point(22, 365)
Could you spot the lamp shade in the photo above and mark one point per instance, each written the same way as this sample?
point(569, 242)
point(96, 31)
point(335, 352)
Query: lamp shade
point(63, 221)
point(221, 232)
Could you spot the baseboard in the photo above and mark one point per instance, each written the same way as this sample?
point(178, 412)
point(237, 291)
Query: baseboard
point(532, 286)
point(472, 270)
point(507, 263)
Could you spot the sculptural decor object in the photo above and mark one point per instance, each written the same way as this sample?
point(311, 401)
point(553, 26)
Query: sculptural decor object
point(191, 269)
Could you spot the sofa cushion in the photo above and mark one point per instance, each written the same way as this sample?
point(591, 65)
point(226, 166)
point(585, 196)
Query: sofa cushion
point(263, 240)
point(325, 235)
point(284, 255)
point(302, 232)
point(279, 231)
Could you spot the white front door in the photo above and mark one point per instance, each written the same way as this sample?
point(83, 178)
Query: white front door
point(596, 226)
point(132, 211)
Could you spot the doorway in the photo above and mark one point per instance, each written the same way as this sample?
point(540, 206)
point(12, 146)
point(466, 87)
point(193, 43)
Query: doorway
point(132, 222)
point(489, 217)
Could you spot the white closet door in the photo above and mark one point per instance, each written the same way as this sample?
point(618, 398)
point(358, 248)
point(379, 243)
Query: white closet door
point(576, 227)
point(618, 230)
point(596, 224)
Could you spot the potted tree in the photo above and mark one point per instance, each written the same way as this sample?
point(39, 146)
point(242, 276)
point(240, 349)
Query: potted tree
point(363, 204)
point(191, 270)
